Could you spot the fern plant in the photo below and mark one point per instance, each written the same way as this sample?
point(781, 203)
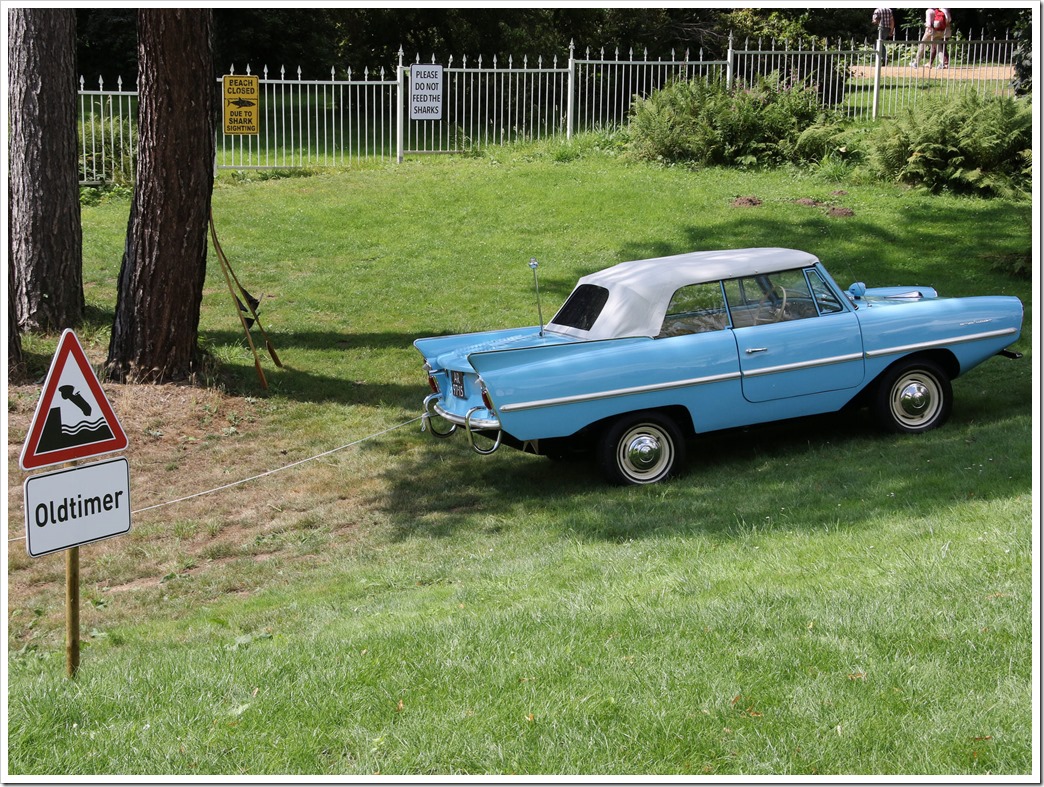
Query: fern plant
point(973, 145)
point(702, 122)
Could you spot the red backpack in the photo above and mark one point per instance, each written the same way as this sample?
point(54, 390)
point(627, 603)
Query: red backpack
point(938, 19)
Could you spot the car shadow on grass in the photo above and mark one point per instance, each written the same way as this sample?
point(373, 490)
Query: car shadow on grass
point(833, 470)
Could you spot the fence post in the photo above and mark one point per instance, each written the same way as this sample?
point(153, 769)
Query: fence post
point(400, 102)
point(728, 64)
point(879, 56)
point(571, 98)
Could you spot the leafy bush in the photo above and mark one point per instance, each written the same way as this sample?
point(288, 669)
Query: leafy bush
point(702, 122)
point(826, 138)
point(971, 145)
point(1018, 265)
point(1022, 82)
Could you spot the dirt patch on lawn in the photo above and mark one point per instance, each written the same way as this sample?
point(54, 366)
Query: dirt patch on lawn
point(183, 545)
point(832, 210)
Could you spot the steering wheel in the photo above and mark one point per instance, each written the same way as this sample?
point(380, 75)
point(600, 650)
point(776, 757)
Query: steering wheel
point(769, 311)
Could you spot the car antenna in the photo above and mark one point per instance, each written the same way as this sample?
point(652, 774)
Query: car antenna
point(536, 284)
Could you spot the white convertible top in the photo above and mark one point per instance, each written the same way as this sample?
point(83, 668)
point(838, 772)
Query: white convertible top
point(641, 290)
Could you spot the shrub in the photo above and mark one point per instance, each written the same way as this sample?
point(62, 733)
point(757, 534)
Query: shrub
point(971, 145)
point(702, 122)
point(107, 148)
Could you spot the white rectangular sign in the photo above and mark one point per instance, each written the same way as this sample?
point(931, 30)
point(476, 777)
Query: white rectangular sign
point(425, 92)
point(71, 507)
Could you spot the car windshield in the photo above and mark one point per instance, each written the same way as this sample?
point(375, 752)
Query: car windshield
point(582, 308)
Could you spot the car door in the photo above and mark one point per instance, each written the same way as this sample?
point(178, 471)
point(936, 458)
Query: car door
point(794, 334)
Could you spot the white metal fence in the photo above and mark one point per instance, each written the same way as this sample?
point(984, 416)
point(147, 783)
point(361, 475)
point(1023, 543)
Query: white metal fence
point(332, 122)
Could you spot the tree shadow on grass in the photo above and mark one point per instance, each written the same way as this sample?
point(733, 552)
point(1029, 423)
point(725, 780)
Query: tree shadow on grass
point(294, 381)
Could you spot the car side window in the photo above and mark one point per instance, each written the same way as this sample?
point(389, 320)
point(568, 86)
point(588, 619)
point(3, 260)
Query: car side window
point(770, 297)
point(695, 308)
point(826, 300)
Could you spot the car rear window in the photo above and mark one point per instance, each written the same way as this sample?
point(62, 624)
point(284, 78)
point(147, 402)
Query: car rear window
point(582, 308)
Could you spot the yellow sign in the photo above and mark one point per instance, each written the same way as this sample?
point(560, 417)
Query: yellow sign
point(242, 97)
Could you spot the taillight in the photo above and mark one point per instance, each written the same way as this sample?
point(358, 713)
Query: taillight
point(485, 396)
point(432, 382)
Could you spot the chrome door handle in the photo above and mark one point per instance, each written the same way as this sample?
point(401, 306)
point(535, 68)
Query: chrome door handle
point(752, 350)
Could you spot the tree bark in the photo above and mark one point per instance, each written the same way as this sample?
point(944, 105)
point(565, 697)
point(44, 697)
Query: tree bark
point(15, 362)
point(45, 243)
point(155, 330)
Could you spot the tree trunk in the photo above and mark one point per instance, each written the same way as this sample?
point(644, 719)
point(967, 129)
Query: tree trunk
point(45, 244)
point(15, 363)
point(164, 264)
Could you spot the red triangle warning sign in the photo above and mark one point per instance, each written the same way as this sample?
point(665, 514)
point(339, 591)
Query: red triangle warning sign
point(73, 420)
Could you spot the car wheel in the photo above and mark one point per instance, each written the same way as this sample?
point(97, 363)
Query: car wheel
point(913, 397)
point(642, 448)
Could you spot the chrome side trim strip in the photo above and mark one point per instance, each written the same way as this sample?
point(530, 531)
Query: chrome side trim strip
point(510, 408)
point(975, 337)
point(790, 367)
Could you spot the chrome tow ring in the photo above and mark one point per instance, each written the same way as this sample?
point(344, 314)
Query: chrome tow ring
point(471, 436)
point(426, 424)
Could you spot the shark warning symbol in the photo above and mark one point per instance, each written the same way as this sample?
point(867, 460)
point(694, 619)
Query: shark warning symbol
point(73, 420)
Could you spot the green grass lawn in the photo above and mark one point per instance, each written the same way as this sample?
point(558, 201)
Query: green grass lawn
point(810, 597)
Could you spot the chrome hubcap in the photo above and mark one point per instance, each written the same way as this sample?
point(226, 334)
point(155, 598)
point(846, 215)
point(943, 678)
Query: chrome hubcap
point(644, 452)
point(915, 399)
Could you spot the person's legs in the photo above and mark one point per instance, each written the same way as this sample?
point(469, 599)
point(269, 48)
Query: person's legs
point(920, 48)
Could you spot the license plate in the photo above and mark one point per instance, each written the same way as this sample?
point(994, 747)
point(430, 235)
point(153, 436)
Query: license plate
point(458, 384)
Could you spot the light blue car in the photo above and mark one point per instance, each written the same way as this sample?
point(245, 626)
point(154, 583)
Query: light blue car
point(646, 354)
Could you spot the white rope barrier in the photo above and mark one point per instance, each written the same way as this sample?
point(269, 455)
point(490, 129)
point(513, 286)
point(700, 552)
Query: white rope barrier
point(267, 472)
